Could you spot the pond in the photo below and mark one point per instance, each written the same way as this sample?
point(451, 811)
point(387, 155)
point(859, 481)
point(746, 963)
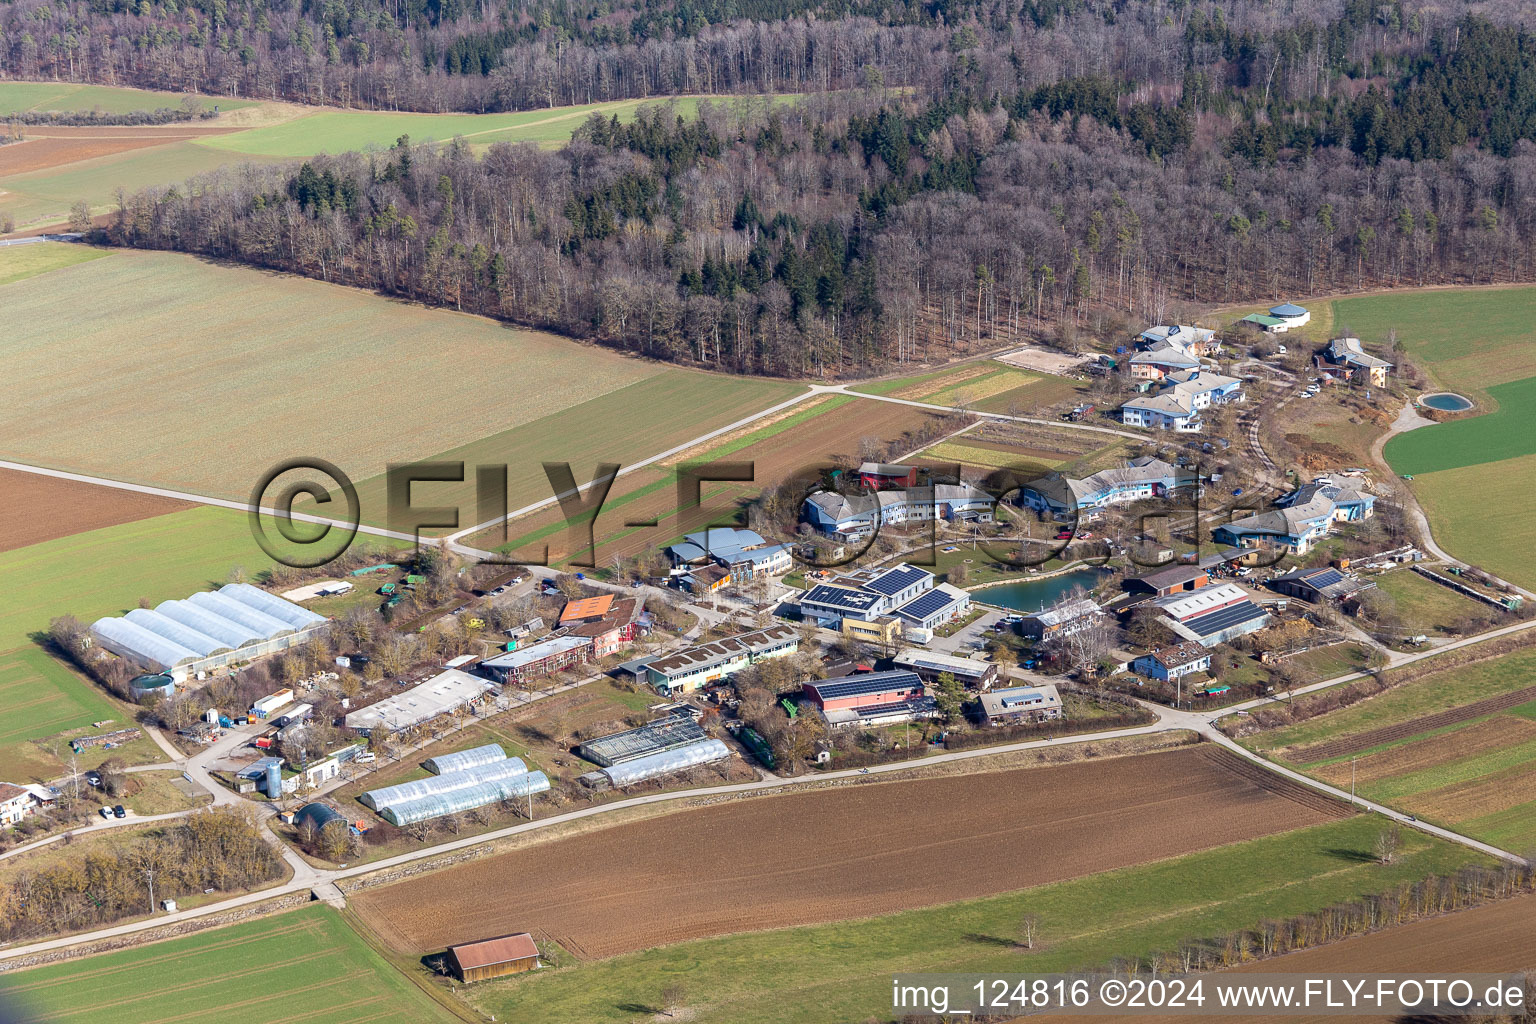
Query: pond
point(1446, 402)
point(1033, 595)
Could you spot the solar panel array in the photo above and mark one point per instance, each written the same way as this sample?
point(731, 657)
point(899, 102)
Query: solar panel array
point(1326, 578)
point(896, 579)
point(840, 597)
point(1225, 618)
point(877, 710)
point(873, 682)
point(924, 605)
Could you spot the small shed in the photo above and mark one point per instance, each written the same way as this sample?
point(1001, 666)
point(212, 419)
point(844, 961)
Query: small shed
point(494, 958)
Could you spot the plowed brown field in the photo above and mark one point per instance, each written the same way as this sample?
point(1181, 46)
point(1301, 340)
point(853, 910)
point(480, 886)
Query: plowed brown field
point(1386, 734)
point(36, 508)
point(843, 852)
point(1492, 734)
point(51, 146)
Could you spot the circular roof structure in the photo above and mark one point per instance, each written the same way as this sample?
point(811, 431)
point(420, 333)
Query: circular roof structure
point(1287, 309)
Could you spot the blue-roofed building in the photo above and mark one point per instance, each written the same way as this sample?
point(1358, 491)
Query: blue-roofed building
point(744, 554)
point(1304, 517)
point(1137, 480)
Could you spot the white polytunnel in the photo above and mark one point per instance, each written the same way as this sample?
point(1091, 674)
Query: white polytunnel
point(270, 604)
point(172, 630)
point(206, 631)
point(232, 633)
point(130, 640)
point(439, 804)
point(442, 764)
point(234, 611)
point(378, 799)
point(666, 762)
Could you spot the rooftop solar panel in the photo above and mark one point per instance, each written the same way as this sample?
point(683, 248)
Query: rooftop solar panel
point(1326, 578)
point(874, 682)
point(924, 605)
point(896, 579)
point(1225, 618)
point(839, 597)
point(876, 710)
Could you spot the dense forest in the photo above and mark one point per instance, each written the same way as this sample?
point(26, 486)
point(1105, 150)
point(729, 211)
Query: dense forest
point(951, 176)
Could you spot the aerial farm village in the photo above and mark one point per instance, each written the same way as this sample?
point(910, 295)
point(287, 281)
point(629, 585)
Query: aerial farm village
point(644, 514)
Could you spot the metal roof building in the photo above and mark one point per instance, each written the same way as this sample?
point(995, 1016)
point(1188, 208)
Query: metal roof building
point(436, 785)
point(208, 630)
point(442, 693)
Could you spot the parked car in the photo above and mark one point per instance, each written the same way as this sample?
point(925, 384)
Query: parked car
point(119, 812)
point(93, 778)
point(106, 812)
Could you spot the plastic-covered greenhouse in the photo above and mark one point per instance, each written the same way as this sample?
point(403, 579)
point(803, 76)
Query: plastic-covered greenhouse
point(678, 759)
point(317, 816)
point(378, 799)
point(439, 804)
point(474, 757)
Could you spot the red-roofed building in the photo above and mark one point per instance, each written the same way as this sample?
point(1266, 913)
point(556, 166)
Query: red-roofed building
point(494, 958)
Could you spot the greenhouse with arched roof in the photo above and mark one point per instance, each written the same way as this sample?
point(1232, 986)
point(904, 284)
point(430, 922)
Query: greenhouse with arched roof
point(208, 630)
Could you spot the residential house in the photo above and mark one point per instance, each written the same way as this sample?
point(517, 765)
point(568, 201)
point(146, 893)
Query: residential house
point(1156, 363)
point(1304, 517)
point(1347, 359)
point(853, 517)
point(742, 553)
point(1138, 479)
point(1063, 620)
point(1017, 705)
point(1177, 405)
point(17, 802)
point(1197, 341)
point(1172, 663)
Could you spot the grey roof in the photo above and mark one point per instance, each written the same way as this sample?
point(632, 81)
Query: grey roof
point(1287, 309)
point(1067, 612)
point(1171, 576)
point(536, 652)
point(1350, 352)
point(182, 632)
point(1019, 698)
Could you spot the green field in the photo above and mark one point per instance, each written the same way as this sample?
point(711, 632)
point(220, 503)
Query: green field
point(18, 262)
point(1482, 515)
point(841, 972)
point(1467, 338)
point(626, 425)
point(46, 196)
point(42, 698)
point(337, 131)
point(1506, 433)
point(106, 571)
point(232, 370)
point(63, 96)
point(302, 965)
point(1435, 692)
point(1423, 605)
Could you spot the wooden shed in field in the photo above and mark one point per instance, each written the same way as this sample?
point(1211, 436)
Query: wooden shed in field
point(493, 958)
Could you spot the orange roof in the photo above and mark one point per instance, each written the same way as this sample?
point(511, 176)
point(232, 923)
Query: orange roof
point(494, 951)
point(587, 608)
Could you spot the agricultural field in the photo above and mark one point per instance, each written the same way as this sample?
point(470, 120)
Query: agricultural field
point(1433, 327)
point(39, 508)
point(306, 964)
point(799, 438)
point(835, 971)
point(1474, 440)
point(107, 571)
point(41, 179)
point(988, 386)
point(1030, 449)
point(1457, 748)
point(43, 698)
point(1496, 531)
point(147, 331)
point(846, 852)
point(337, 131)
point(19, 262)
point(16, 97)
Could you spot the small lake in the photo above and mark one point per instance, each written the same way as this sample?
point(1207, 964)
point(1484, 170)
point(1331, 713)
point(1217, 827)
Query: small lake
point(1446, 402)
point(1032, 595)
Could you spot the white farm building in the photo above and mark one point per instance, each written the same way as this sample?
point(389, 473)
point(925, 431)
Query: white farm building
point(236, 623)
